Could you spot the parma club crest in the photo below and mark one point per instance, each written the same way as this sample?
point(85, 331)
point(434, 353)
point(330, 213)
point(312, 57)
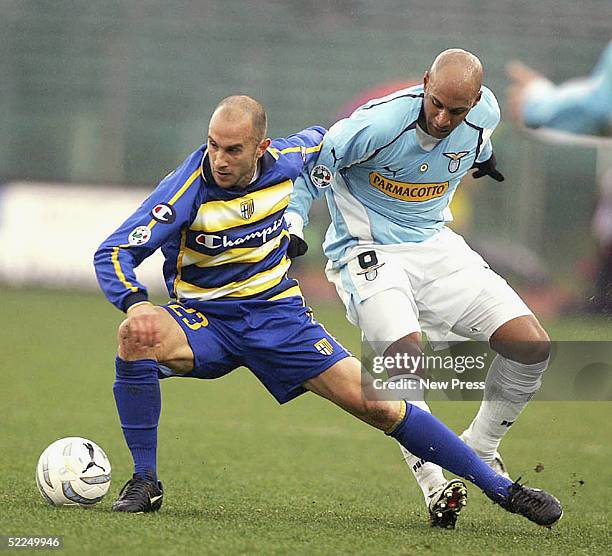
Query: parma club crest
point(324, 346)
point(247, 208)
point(455, 160)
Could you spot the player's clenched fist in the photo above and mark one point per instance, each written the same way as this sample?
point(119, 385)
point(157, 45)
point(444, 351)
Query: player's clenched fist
point(143, 325)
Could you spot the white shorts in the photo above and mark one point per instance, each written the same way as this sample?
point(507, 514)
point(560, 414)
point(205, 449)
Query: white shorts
point(440, 286)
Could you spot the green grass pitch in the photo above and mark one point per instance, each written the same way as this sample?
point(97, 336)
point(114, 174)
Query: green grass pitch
point(245, 476)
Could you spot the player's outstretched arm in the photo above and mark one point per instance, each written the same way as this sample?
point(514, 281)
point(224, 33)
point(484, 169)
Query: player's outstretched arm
point(577, 106)
point(157, 219)
point(296, 215)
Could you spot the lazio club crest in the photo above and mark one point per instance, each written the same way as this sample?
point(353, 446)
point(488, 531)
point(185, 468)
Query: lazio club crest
point(247, 208)
point(455, 160)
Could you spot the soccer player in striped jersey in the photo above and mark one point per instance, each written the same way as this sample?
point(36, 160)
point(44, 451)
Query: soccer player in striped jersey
point(388, 173)
point(219, 222)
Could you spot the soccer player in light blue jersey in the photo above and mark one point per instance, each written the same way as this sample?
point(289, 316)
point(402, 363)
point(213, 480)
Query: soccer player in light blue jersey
point(581, 106)
point(218, 219)
point(388, 174)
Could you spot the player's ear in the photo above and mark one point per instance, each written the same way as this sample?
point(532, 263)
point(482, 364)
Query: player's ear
point(426, 79)
point(263, 146)
point(477, 99)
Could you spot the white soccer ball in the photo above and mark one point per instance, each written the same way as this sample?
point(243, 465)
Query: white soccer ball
point(73, 472)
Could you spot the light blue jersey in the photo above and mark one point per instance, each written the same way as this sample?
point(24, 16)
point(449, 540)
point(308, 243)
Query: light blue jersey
point(385, 180)
point(579, 106)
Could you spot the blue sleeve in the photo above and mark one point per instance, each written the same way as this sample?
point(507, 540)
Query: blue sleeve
point(302, 149)
point(347, 142)
point(160, 217)
point(577, 106)
point(299, 149)
point(304, 193)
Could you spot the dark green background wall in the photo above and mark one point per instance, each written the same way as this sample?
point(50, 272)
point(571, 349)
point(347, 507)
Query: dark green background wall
point(119, 91)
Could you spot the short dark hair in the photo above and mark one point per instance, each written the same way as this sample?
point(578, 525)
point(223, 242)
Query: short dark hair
point(248, 105)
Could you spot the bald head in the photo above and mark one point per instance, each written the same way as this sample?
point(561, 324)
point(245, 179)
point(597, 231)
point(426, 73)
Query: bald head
point(451, 89)
point(238, 107)
point(457, 68)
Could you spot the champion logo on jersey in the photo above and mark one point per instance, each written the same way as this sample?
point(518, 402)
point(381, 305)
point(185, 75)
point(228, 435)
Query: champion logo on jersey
point(247, 208)
point(324, 346)
point(455, 160)
point(163, 213)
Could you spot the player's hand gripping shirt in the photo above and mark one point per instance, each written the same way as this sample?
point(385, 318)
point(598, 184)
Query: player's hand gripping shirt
point(385, 180)
point(217, 243)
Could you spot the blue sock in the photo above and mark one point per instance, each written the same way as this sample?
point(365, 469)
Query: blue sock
point(427, 437)
point(138, 400)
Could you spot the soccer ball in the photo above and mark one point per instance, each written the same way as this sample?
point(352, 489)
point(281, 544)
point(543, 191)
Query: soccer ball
point(73, 472)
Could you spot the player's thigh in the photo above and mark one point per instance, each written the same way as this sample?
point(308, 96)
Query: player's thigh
point(201, 349)
point(378, 297)
point(386, 317)
point(496, 304)
point(347, 386)
point(284, 346)
point(174, 350)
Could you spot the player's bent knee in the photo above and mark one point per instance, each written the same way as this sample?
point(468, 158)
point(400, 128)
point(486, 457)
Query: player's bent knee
point(127, 346)
point(174, 350)
point(523, 340)
point(410, 346)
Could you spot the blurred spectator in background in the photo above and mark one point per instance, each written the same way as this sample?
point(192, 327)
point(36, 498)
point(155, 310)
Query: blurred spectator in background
point(581, 106)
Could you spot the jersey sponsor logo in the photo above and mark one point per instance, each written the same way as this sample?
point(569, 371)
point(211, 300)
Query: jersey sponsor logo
point(413, 192)
point(455, 160)
point(247, 208)
point(163, 213)
point(321, 176)
point(324, 346)
point(213, 241)
point(139, 236)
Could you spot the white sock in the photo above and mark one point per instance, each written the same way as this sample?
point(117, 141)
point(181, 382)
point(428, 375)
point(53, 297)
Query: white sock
point(428, 475)
point(508, 388)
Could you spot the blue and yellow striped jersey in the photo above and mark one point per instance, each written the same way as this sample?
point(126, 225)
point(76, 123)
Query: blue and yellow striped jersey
point(217, 243)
